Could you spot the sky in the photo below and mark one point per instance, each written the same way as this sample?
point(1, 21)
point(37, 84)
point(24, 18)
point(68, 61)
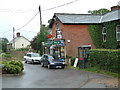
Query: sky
point(17, 13)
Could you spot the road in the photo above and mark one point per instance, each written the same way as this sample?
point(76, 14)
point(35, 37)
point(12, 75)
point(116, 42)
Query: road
point(35, 76)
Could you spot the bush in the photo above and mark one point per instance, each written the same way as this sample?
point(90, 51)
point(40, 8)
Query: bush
point(12, 67)
point(105, 59)
point(72, 61)
point(7, 55)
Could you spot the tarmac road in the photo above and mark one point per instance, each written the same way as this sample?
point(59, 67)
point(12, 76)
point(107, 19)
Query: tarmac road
point(35, 76)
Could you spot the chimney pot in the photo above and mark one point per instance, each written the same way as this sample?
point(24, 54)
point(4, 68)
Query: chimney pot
point(18, 34)
point(115, 8)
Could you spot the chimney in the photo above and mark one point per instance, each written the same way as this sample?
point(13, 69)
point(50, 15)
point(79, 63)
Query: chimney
point(115, 8)
point(18, 34)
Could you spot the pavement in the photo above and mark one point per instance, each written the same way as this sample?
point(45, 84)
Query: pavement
point(35, 76)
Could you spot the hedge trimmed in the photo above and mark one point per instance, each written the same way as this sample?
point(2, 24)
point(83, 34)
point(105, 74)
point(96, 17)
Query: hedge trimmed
point(105, 59)
point(12, 67)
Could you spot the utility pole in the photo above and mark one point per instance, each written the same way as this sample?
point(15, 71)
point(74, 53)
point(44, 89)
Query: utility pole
point(40, 16)
point(13, 38)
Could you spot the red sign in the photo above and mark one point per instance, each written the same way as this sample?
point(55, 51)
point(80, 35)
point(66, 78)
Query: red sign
point(80, 58)
point(49, 36)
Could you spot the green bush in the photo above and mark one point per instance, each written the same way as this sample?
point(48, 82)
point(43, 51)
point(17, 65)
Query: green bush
point(72, 61)
point(12, 67)
point(7, 55)
point(105, 59)
point(22, 49)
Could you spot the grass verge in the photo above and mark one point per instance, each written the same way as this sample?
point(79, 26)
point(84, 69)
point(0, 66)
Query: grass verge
point(96, 70)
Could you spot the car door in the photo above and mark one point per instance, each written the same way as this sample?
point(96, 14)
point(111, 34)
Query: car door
point(28, 57)
point(46, 60)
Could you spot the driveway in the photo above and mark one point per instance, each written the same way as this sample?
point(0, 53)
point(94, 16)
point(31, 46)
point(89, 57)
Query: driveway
point(35, 76)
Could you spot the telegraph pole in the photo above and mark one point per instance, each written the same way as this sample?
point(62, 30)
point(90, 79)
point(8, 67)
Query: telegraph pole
point(13, 38)
point(40, 16)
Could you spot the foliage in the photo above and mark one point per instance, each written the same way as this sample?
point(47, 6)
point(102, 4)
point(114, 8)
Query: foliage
point(41, 37)
point(7, 55)
point(22, 49)
point(99, 12)
point(3, 44)
point(111, 42)
point(12, 67)
point(106, 59)
point(72, 61)
point(96, 35)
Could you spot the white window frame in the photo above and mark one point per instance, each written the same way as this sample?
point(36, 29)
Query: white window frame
point(117, 33)
point(104, 34)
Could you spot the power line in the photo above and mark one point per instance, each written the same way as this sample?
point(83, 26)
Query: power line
point(28, 21)
point(61, 5)
point(47, 10)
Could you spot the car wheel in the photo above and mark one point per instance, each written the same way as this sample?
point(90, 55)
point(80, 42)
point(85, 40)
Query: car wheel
point(32, 62)
point(63, 67)
point(49, 67)
point(26, 61)
point(42, 64)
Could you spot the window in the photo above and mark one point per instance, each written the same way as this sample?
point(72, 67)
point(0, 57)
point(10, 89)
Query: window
point(57, 26)
point(23, 45)
point(118, 32)
point(104, 34)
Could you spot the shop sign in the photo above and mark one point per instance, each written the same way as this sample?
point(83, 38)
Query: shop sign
point(48, 43)
point(54, 43)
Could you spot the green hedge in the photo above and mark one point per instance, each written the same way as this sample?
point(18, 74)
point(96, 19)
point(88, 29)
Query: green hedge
point(105, 59)
point(12, 67)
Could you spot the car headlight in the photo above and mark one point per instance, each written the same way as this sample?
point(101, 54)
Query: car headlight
point(63, 62)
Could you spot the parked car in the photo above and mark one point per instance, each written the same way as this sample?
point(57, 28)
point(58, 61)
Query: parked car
point(32, 58)
point(52, 62)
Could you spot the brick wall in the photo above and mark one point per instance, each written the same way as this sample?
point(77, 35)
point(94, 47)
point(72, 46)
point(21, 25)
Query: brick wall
point(76, 34)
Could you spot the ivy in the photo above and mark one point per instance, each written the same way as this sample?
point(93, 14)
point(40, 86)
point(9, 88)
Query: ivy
point(96, 35)
point(111, 42)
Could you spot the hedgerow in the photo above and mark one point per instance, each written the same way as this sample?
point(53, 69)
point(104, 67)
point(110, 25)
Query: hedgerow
point(106, 59)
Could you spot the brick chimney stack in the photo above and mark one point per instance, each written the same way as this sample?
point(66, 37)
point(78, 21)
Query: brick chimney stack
point(18, 34)
point(115, 8)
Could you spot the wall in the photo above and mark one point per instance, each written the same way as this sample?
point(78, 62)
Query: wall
point(20, 41)
point(77, 34)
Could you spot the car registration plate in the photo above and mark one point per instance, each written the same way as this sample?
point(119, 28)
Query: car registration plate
point(58, 67)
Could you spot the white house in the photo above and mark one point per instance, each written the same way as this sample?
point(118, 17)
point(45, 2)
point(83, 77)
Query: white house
point(18, 42)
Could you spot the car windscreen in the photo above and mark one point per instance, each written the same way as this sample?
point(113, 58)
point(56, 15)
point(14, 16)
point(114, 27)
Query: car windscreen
point(35, 55)
point(52, 58)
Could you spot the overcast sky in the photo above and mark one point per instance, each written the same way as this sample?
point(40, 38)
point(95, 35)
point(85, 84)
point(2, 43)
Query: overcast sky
point(16, 13)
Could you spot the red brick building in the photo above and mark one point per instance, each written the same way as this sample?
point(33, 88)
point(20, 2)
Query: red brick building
point(74, 33)
point(73, 28)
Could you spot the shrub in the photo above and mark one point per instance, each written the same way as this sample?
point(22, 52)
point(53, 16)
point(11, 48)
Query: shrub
point(12, 67)
point(105, 59)
point(72, 61)
point(7, 55)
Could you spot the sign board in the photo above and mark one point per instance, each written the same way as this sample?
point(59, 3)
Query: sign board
point(75, 63)
point(48, 43)
point(53, 43)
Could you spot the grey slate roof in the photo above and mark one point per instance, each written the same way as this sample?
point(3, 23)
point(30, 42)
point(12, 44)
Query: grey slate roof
point(87, 18)
point(78, 18)
point(111, 16)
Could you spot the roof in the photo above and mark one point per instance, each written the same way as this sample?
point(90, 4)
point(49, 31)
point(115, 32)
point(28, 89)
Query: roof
point(66, 18)
point(17, 38)
point(111, 16)
point(78, 18)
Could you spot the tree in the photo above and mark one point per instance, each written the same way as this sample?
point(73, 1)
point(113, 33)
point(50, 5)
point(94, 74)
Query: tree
point(3, 44)
point(99, 12)
point(41, 37)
